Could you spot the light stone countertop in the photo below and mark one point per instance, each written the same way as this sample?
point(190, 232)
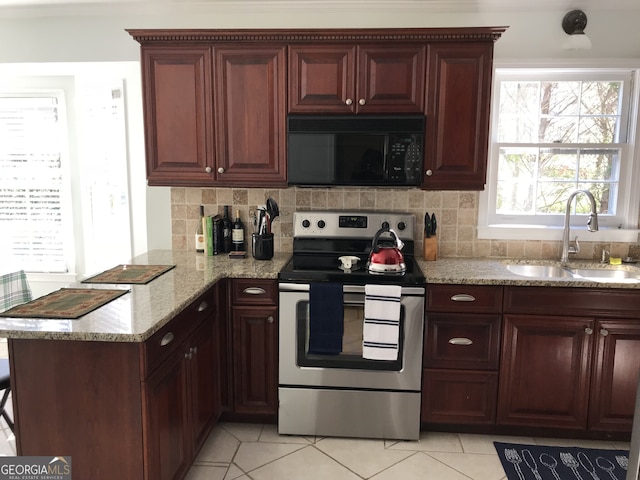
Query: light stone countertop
point(484, 271)
point(137, 315)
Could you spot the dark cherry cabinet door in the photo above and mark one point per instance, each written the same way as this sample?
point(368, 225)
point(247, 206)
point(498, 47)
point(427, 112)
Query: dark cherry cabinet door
point(356, 79)
point(255, 340)
point(178, 104)
point(545, 371)
point(457, 108)
point(391, 79)
point(615, 375)
point(250, 109)
point(167, 436)
point(203, 383)
point(322, 78)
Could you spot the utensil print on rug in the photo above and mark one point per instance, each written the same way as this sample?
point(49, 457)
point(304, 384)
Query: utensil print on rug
point(531, 463)
point(607, 466)
point(511, 454)
point(551, 463)
point(623, 461)
point(587, 465)
point(570, 461)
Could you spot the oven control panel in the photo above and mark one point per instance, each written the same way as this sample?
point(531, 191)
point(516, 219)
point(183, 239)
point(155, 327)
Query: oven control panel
point(347, 224)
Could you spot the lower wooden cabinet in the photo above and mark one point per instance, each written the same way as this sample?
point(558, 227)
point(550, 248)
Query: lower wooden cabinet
point(570, 359)
point(254, 329)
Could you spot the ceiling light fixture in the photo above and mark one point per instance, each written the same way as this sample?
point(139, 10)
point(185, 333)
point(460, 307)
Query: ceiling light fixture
point(574, 24)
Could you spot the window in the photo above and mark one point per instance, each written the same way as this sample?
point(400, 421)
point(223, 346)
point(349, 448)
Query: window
point(554, 132)
point(64, 191)
point(32, 185)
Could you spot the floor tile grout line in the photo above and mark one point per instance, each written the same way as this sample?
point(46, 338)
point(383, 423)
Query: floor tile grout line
point(452, 467)
point(302, 446)
point(338, 462)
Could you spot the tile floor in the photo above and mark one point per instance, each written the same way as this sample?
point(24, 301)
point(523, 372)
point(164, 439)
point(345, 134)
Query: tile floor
point(257, 452)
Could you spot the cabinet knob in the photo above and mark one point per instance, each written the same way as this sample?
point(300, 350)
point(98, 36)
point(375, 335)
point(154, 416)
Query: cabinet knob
point(604, 332)
point(270, 319)
point(588, 331)
point(220, 170)
point(348, 101)
point(207, 169)
point(203, 306)
point(460, 341)
point(167, 339)
point(188, 355)
point(362, 101)
point(428, 173)
point(463, 297)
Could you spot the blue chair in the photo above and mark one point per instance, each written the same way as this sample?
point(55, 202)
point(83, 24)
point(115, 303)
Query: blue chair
point(14, 290)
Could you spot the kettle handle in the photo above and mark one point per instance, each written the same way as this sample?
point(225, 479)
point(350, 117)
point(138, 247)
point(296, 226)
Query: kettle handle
point(374, 243)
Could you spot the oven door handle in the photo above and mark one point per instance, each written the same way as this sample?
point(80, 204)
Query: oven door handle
point(357, 289)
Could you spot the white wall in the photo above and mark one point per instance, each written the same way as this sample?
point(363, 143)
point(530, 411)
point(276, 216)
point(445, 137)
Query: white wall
point(93, 33)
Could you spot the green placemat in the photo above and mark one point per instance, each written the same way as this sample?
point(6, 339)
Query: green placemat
point(132, 274)
point(67, 303)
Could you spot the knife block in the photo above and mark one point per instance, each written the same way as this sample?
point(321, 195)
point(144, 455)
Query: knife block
point(430, 248)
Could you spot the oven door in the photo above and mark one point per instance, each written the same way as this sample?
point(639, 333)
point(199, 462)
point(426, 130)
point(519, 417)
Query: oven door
point(298, 367)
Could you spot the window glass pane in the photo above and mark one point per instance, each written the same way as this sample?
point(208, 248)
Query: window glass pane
point(31, 222)
point(598, 130)
point(516, 180)
point(559, 98)
point(599, 164)
point(518, 120)
point(559, 164)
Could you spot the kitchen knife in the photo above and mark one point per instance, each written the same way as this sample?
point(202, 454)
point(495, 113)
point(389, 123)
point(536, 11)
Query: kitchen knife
point(427, 225)
point(433, 223)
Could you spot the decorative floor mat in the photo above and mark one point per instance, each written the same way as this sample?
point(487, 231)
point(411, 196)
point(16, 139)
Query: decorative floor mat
point(538, 462)
point(66, 303)
point(132, 274)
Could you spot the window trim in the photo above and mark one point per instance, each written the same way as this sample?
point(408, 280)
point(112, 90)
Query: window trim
point(629, 211)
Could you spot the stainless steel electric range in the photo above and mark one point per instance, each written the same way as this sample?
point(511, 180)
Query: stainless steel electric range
point(337, 388)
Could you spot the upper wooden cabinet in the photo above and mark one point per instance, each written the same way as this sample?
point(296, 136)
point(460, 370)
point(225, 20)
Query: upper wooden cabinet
point(178, 101)
point(250, 99)
point(457, 108)
point(356, 78)
point(215, 101)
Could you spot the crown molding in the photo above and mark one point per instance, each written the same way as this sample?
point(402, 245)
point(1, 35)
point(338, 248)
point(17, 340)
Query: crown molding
point(391, 35)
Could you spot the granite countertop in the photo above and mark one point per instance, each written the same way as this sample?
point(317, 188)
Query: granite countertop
point(484, 271)
point(136, 316)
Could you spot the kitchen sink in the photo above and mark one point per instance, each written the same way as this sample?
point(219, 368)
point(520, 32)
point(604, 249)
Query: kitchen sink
point(609, 275)
point(539, 271)
point(605, 275)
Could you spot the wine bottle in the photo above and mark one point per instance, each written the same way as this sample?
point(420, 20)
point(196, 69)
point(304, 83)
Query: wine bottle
point(237, 234)
point(226, 231)
point(199, 236)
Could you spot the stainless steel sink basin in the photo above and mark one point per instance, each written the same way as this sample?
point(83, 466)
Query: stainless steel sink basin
point(539, 271)
point(608, 275)
point(605, 275)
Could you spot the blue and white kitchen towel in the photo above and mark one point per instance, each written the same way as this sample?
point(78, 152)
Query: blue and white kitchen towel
point(381, 328)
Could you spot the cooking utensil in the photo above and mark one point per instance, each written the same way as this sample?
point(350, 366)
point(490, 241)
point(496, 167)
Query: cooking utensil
point(272, 208)
point(531, 463)
point(386, 257)
point(427, 225)
point(433, 224)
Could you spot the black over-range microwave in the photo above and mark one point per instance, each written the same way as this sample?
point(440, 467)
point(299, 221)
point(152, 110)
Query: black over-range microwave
point(355, 150)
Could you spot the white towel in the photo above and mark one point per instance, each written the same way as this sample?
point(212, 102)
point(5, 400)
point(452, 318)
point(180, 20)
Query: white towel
point(381, 328)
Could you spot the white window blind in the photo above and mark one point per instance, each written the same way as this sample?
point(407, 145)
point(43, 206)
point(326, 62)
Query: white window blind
point(32, 145)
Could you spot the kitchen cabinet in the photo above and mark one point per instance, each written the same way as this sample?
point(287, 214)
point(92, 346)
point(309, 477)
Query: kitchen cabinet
point(215, 100)
point(457, 107)
point(461, 351)
point(149, 405)
point(250, 99)
point(353, 78)
point(178, 116)
point(570, 358)
point(254, 314)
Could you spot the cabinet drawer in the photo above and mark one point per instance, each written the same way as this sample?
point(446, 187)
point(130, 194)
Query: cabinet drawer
point(463, 341)
point(158, 347)
point(593, 302)
point(455, 396)
point(464, 298)
point(251, 291)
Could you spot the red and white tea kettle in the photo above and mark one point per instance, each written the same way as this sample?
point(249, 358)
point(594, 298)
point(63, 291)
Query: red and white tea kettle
point(386, 257)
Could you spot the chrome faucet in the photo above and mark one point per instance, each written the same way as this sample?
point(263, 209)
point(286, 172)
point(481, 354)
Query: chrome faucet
point(574, 247)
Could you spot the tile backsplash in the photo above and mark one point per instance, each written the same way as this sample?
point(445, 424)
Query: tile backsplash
point(457, 213)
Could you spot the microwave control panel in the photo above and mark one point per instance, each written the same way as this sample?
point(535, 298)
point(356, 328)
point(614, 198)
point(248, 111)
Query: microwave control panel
point(405, 159)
